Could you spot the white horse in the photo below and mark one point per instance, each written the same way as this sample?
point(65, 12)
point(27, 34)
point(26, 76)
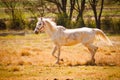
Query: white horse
point(67, 37)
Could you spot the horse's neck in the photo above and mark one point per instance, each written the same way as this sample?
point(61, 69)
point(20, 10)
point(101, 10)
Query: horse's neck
point(50, 29)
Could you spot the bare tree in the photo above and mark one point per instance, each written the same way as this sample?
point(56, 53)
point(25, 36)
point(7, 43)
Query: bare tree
point(97, 15)
point(65, 12)
point(68, 7)
point(15, 12)
point(80, 6)
point(61, 5)
point(72, 7)
point(10, 5)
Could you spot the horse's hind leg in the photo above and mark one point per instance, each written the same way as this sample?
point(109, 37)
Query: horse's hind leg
point(92, 50)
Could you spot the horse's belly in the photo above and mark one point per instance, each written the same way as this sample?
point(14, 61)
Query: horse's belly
point(71, 40)
point(70, 43)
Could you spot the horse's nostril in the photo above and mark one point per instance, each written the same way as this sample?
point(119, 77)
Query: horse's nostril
point(36, 32)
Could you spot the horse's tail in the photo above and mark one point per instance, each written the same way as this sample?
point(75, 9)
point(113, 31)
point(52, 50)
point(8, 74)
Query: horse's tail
point(102, 36)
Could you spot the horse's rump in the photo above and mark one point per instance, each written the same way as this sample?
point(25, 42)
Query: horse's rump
point(101, 35)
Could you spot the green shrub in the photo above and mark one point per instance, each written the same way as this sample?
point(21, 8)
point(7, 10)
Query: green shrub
point(80, 23)
point(2, 24)
point(107, 24)
point(32, 23)
point(62, 19)
point(90, 23)
point(17, 23)
point(116, 27)
point(111, 25)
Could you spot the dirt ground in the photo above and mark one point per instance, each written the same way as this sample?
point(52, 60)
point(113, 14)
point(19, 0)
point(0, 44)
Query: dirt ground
point(29, 58)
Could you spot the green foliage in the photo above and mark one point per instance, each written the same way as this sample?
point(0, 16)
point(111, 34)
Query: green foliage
point(109, 2)
point(79, 23)
point(107, 23)
point(62, 19)
point(17, 23)
point(2, 24)
point(32, 23)
point(90, 23)
point(111, 25)
point(117, 26)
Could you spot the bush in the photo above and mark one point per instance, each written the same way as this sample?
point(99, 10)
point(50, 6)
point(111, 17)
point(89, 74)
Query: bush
point(79, 23)
point(107, 24)
point(116, 27)
point(90, 23)
point(32, 23)
point(17, 23)
point(62, 19)
point(2, 24)
point(110, 25)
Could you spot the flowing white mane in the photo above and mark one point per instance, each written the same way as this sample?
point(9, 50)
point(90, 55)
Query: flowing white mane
point(61, 28)
point(53, 24)
point(49, 20)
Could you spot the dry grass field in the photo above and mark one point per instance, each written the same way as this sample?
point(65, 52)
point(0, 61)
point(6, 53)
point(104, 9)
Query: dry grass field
point(29, 58)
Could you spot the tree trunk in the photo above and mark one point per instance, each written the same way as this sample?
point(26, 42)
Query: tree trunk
point(99, 17)
point(93, 4)
point(98, 24)
point(80, 9)
point(72, 3)
point(80, 20)
point(64, 3)
point(13, 15)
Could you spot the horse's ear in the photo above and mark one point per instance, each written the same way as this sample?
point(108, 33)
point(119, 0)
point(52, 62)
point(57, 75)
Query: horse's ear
point(41, 18)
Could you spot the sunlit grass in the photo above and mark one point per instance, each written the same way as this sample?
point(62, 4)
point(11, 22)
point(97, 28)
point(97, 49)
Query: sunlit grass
point(29, 57)
point(60, 72)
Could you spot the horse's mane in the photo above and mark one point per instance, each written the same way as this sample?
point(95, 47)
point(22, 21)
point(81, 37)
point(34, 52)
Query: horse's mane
point(61, 28)
point(50, 21)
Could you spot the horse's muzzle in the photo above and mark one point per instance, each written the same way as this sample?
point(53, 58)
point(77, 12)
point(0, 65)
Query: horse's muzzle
point(36, 32)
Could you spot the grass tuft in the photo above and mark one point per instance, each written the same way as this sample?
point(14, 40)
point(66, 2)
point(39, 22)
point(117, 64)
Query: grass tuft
point(14, 69)
point(25, 53)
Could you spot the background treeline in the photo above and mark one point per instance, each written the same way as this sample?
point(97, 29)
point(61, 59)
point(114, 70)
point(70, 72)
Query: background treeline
point(22, 14)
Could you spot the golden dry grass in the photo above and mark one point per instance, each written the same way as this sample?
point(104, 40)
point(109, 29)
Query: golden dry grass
point(29, 57)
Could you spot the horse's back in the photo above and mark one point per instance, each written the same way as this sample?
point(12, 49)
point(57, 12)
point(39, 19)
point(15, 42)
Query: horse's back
point(79, 30)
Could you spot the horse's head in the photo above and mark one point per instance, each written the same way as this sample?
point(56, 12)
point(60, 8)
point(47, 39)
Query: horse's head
point(46, 24)
point(39, 26)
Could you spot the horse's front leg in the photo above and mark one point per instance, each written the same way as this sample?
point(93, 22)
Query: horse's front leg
point(58, 58)
point(53, 52)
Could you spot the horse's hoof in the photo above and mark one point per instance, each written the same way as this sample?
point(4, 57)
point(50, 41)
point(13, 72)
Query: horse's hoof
point(91, 63)
point(57, 62)
point(61, 60)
